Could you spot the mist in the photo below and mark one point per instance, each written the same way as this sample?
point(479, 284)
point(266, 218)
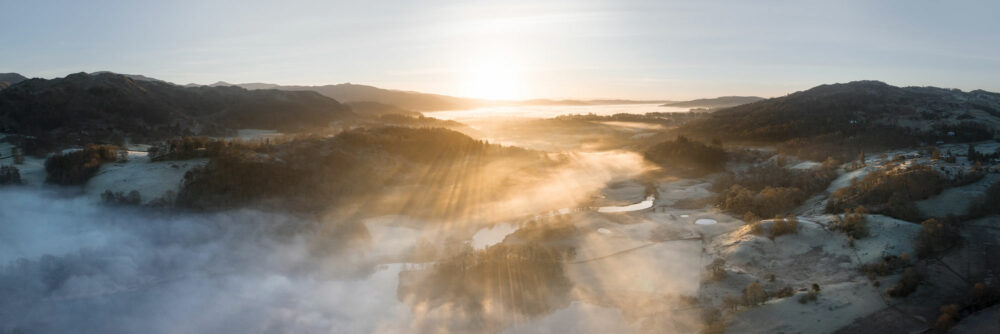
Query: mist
point(74, 266)
point(70, 264)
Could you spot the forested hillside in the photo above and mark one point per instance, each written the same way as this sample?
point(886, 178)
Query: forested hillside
point(107, 107)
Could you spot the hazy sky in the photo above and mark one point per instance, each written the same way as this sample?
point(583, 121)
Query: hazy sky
point(558, 49)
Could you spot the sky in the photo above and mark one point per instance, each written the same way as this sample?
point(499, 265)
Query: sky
point(658, 49)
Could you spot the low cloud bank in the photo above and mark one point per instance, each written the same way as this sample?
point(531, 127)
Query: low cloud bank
point(69, 265)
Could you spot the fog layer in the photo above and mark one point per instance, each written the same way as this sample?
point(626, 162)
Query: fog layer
point(72, 266)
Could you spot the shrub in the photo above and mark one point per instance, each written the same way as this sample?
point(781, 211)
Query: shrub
point(983, 296)
point(949, 314)
point(784, 292)
point(782, 226)
point(852, 223)
point(754, 294)
point(716, 270)
point(888, 265)
point(907, 284)
point(810, 296)
point(9, 175)
point(936, 237)
point(714, 323)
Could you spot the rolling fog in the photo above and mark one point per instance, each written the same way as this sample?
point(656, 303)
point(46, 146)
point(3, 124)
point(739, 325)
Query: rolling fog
point(70, 264)
point(73, 266)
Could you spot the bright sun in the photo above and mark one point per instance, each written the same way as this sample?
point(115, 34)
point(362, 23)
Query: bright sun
point(493, 79)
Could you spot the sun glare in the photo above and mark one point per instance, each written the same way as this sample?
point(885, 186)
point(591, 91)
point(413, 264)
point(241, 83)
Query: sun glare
point(493, 79)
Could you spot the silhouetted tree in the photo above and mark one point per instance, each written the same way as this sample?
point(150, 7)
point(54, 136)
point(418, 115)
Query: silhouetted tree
point(948, 317)
point(9, 175)
point(936, 237)
point(716, 270)
point(754, 294)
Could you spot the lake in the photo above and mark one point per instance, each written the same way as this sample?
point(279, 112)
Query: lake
point(550, 111)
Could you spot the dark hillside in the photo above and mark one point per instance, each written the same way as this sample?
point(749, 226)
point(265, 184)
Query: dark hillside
point(841, 119)
point(107, 107)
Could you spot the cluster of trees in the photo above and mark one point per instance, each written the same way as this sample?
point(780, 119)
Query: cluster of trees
point(76, 167)
point(525, 277)
point(981, 296)
point(17, 155)
point(37, 145)
point(769, 190)
point(187, 148)
point(907, 283)
point(784, 225)
point(242, 177)
point(891, 264)
point(779, 225)
point(987, 204)
point(755, 294)
point(9, 175)
point(887, 265)
point(961, 132)
point(314, 173)
point(120, 198)
point(417, 120)
point(852, 223)
point(767, 202)
point(845, 145)
point(980, 158)
point(687, 156)
point(936, 237)
point(947, 318)
point(890, 191)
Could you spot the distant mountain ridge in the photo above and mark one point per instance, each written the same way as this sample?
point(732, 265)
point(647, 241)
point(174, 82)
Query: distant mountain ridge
point(417, 101)
point(857, 115)
point(348, 92)
point(12, 78)
point(101, 107)
point(8, 79)
point(136, 77)
point(407, 100)
point(718, 102)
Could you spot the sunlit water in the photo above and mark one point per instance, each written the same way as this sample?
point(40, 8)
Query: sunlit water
point(646, 204)
point(550, 111)
point(492, 235)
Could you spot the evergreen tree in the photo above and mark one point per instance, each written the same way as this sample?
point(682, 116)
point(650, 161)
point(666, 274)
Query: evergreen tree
point(18, 155)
